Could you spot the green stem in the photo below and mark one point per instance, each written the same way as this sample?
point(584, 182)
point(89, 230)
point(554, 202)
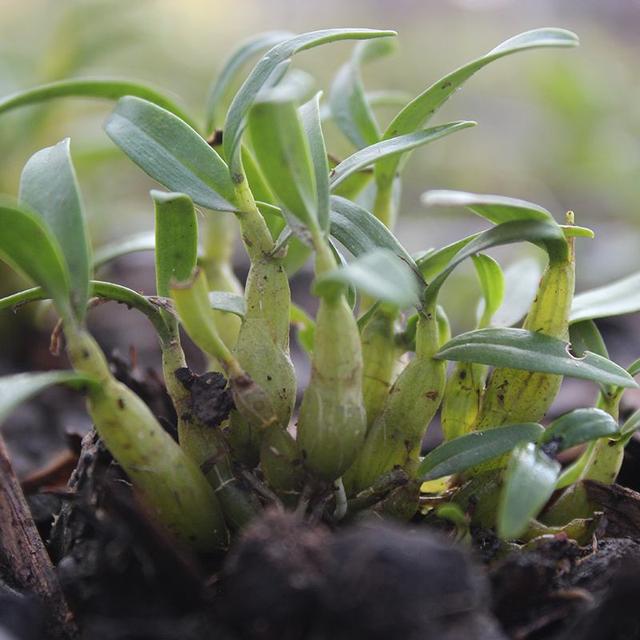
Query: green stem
point(169, 482)
point(219, 231)
point(383, 205)
point(255, 233)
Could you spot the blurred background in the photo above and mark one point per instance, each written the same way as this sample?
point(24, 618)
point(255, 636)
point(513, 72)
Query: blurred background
point(558, 127)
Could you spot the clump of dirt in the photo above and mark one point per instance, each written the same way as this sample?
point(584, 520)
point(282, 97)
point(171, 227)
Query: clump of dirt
point(211, 400)
point(288, 579)
point(273, 579)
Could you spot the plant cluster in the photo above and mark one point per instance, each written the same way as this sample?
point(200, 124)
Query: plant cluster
point(379, 343)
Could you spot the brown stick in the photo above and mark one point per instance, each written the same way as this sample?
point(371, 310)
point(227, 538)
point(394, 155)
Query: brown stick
point(621, 507)
point(23, 556)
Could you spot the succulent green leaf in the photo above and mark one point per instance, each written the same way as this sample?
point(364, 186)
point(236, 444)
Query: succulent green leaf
point(521, 280)
point(496, 209)
point(420, 109)
point(492, 284)
point(295, 82)
point(530, 480)
point(193, 306)
point(354, 186)
point(387, 98)
point(31, 249)
point(283, 154)
point(380, 274)
point(103, 88)
point(549, 235)
point(530, 351)
point(361, 232)
point(585, 336)
point(171, 152)
point(259, 76)
point(631, 425)
point(176, 239)
point(475, 448)
point(634, 368)
point(143, 241)
point(615, 299)
point(310, 116)
point(575, 231)
point(49, 187)
point(350, 108)
point(432, 262)
point(577, 427)
point(392, 147)
point(18, 388)
point(229, 302)
point(221, 88)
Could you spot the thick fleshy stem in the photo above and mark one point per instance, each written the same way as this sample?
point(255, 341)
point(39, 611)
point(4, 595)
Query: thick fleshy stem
point(169, 482)
point(262, 348)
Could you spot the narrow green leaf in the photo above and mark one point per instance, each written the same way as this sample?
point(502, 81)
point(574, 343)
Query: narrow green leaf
point(143, 241)
point(283, 154)
point(192, 303)
point(18, 388)
point(221, 88)
point(631, 425)
point(103, 88)
point(229, 302)
point(295, 82)
point(171, 152)
point(259, 76)
point(354, 186)
point(575, 471)
point(387, 98)
point(530, 480)
point(49, 187)
point(382, 98)
point(432, 262)
point(350, 292)
point(574, 231)
point(350, 108)
point(176, 239)
point(634, 368)
point(392, 147)
point(380, 274)
point(421, 109)
point(496, 209)
point(521, 280)
point(615, 299)
point(361, 232)
point(549, 235)
point(530, 351)
point(577, 427)
point(265, 199)
point(475, 448)
point(31, 249)
point(585, 336)
point(492, 284)
point(310, 116)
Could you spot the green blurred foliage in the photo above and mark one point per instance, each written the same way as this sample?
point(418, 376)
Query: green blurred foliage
point(561, 127)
